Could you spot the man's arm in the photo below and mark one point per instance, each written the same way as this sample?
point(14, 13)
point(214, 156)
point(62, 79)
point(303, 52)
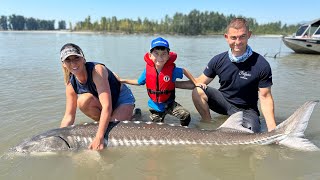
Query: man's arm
point(267, 107)
point(189, 76)
point(203, 79)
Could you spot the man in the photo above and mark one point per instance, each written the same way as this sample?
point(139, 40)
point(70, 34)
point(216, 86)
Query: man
point(244, 77)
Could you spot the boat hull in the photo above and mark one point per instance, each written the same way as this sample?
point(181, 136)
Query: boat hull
point(303, 45)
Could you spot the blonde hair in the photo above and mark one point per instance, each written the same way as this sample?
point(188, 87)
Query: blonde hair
point(238, 23)
point(66, 75)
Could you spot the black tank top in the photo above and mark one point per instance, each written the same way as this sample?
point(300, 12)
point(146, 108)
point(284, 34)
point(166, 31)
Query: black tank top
point(90, 87)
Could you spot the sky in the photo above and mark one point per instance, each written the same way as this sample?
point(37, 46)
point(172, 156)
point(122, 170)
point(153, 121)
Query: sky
point(264, 11)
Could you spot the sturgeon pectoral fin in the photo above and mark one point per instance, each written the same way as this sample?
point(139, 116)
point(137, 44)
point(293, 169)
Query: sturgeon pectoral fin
point(235, 122)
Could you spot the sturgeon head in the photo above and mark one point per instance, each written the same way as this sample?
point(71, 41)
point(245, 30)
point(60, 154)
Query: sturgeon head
point(42, 144)
point(61, 139)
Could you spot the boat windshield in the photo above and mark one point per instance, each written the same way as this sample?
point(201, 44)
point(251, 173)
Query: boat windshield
point(317, 33)
point(301, 30)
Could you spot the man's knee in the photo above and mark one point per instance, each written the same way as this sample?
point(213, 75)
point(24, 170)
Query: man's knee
point(198, 94)
point(252, 122)
point(252, 126)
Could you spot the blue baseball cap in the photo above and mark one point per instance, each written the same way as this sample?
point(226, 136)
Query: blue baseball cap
point(159, 42)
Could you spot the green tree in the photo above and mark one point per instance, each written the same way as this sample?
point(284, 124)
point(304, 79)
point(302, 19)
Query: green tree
point(103, 24)
point(3, 23)
point(114, 24)
point(17, 22)
point(70, 26)
point(96, 26)
point(148, 26)
point(46, 24)
point(179, 23)
point(62, 24)
point(193, 22)
point(87, 25)
point(31, 24)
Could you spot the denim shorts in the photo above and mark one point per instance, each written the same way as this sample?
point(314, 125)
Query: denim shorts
point(125, 96)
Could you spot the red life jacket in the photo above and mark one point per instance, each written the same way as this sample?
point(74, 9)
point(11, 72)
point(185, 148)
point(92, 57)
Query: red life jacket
point(160, 86)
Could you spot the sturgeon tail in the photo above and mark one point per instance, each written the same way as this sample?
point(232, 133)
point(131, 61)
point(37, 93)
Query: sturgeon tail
point(293, 128)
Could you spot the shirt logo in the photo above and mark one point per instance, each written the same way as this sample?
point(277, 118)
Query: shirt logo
point(244, 75)
point(166, 78)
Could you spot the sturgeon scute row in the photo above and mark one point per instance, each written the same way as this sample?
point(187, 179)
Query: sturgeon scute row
point(289, 133)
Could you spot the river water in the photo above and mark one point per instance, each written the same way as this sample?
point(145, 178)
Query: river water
point(32, 100)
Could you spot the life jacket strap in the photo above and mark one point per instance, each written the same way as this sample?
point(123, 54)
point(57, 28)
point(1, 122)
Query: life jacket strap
point(160, 92)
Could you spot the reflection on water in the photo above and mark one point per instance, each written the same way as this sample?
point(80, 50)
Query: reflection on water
point(177, 162)
point(32, 100)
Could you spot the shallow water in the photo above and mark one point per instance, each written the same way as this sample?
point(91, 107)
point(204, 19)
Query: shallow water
point(32, 100)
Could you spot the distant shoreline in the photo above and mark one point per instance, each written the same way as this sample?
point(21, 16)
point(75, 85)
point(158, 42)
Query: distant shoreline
point(120, 33)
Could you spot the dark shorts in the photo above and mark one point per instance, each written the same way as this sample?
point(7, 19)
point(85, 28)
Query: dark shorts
point(219, 104)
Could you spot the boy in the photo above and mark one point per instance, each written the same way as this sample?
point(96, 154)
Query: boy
point(160, 76)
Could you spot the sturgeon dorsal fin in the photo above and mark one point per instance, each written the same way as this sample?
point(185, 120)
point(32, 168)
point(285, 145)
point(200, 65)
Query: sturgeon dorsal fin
point(235, 122)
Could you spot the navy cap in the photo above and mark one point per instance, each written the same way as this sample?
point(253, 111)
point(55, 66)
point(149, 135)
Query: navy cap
point(159, 42)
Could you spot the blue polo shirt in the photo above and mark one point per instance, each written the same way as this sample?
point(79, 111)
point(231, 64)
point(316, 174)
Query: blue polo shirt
point(160, 107)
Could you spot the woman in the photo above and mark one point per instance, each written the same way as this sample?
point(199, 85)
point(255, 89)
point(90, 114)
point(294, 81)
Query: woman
point(95, 90)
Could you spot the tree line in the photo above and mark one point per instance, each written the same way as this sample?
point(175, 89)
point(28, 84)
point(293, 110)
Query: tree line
point(193, 23)
point(19, 23)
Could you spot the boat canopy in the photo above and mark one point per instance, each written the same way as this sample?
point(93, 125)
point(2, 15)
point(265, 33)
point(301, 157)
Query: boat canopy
point(311, 29)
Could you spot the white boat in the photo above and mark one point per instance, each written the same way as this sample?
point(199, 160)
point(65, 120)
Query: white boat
point(306, 40)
